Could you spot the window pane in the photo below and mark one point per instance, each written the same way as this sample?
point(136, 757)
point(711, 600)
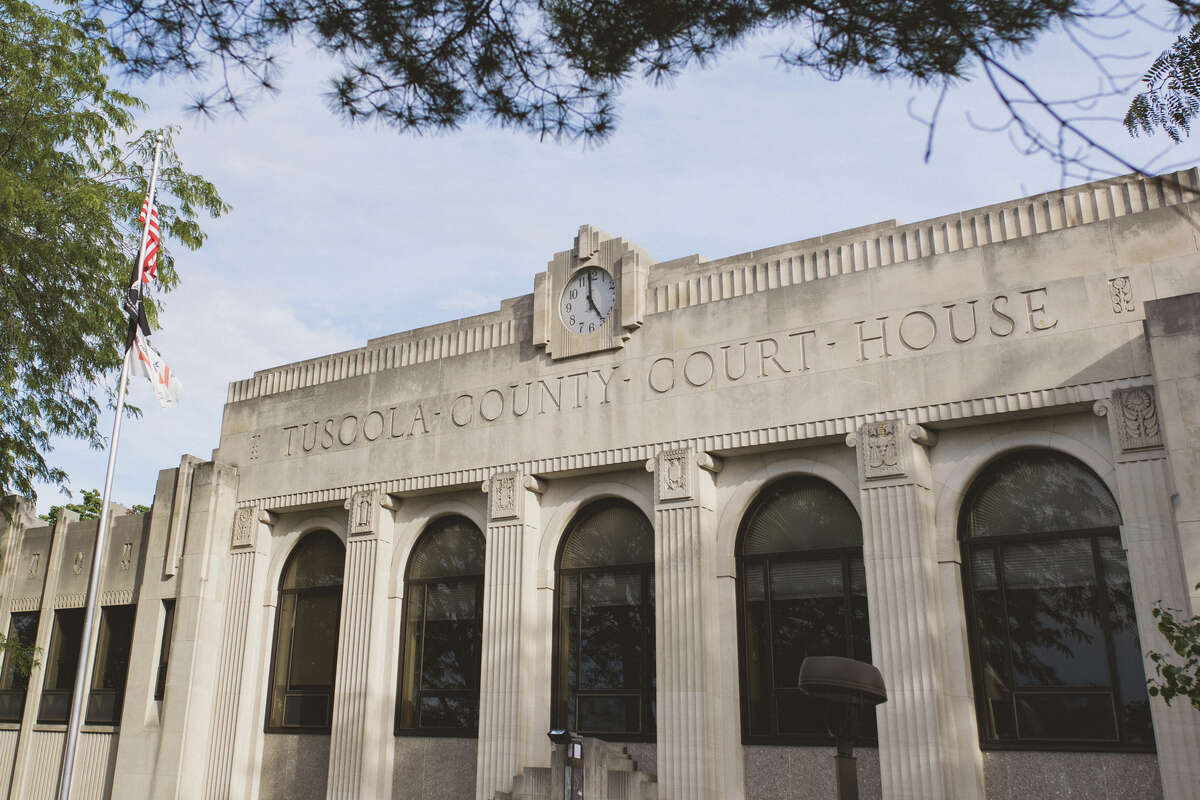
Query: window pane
point(314, 640)
point(450, 658)
point(1066, 716)
point(22, 628)
point(63, 658)
point(808, 614)
point(410, 658)
point(611, 631)
point(449, 711)
point(112, 652)
point(607, 714)
point(1057, 639)
point(993, 648)
point(1131, 676)
point(801, 513)
point(608, 534)
point(317, 561)
point(451, 547)
point(860, 613)
point(1038, 491)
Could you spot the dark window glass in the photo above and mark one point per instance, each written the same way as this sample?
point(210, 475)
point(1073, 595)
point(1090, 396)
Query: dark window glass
point(62, 661)
point(604, 656)
point(1054, 643)
point(22, 628)
point(111, 666)
point(164, 650)
point(306, 635)
point(443, 627)
point(802, 592)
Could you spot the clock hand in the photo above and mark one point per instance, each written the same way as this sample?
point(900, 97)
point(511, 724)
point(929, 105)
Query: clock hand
point(591, 302)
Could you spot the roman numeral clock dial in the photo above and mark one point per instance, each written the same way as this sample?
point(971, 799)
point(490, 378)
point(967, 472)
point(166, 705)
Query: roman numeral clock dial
point(587, 300)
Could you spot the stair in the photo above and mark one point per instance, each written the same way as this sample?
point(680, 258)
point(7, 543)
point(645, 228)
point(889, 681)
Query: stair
point(608, 774)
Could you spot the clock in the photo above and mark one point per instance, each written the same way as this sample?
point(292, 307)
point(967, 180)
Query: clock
point(587, 300)
point(592, 297)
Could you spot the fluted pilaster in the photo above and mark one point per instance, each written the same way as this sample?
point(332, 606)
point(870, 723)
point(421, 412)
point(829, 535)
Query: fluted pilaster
point(512, 520)
point(692, 755)
point(917, 748)
point(1156, 570)
point(360, 736)
point(245, 544)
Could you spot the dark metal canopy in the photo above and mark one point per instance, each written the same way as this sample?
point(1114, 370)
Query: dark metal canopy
point(842, 680)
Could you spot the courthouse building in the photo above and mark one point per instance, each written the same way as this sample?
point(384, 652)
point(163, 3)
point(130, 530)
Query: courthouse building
point(630, 503)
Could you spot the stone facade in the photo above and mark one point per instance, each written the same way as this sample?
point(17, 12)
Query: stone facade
point(893, 362)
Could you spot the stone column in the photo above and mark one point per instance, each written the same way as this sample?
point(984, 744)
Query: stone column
point(248, 546)
point(360, 746)
point(697, 759)
point(918, 751)
point(512, 530)
point(1156, 568)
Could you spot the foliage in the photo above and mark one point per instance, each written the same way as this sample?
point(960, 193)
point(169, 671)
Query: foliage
point(88, 509)
point(19, 657)
point(1172, 96)
point(70, 190)
point(553, 67)
point(1171, 678)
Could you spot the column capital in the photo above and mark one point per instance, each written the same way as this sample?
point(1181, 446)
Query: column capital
point(889, 449)
point(1133, 424)
point(678, 472)
point(365, 507)
point(246, 525)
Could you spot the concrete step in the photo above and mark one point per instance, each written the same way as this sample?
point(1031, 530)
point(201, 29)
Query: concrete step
point(532, 784)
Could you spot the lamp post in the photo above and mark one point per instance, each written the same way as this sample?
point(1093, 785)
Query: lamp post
point(849, 684)
point(572, 762)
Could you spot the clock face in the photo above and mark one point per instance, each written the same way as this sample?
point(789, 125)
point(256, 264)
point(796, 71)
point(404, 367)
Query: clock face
point(587, 300)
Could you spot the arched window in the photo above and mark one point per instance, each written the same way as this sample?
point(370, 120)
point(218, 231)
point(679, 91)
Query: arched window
point(443, 628)
point(306, 636)
point(1054, 643)
point(604, 618)
point(801, 592)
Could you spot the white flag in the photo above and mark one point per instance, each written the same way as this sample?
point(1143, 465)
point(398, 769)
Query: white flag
point(150, 365)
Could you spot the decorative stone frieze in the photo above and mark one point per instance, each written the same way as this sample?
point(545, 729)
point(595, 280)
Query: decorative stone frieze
point(884, 449)
point(245, 526)
point(1137, 421)
point(364, 507)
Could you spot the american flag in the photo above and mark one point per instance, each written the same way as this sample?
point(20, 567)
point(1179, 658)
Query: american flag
point(149, 265)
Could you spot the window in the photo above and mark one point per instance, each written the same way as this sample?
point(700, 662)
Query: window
point(61, 664)
point(801, 592)
point(443, 627)
point(306, 636)
point(1054, 643)
point(112, 665)
point(164, 650)
point(22, 628)
point(604, 657)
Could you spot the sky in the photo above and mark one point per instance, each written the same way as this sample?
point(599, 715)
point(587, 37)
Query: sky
point(339, 234)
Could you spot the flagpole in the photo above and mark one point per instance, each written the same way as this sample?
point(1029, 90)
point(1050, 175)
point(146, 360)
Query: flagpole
point(86, 657)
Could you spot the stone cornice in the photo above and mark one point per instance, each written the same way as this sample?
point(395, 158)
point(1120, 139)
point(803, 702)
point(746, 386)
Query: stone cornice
point(764, 270)
point(636, 456)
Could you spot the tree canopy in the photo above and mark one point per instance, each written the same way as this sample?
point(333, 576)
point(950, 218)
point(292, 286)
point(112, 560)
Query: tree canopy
point(72, 179)
point(556, 67)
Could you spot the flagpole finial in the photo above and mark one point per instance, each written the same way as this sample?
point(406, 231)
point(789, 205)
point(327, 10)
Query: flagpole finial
point(160, 138)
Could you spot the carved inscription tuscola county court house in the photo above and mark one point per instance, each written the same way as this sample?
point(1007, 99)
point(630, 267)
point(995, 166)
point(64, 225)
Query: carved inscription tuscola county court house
point(768, 357)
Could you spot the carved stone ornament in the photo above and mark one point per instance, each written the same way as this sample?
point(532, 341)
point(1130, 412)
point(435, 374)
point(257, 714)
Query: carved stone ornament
point(1121, 293)
point(35, 560)
point(244, 521)
point(502, 496)
point(77, 566)
point(364, 517)
point(126, 555)
point(880, 443)
point(255, 446)
point(674, 469)
point(1137, 418)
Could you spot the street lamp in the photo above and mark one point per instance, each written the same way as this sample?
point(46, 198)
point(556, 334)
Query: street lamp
point(571, 747)
point(849, 684)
